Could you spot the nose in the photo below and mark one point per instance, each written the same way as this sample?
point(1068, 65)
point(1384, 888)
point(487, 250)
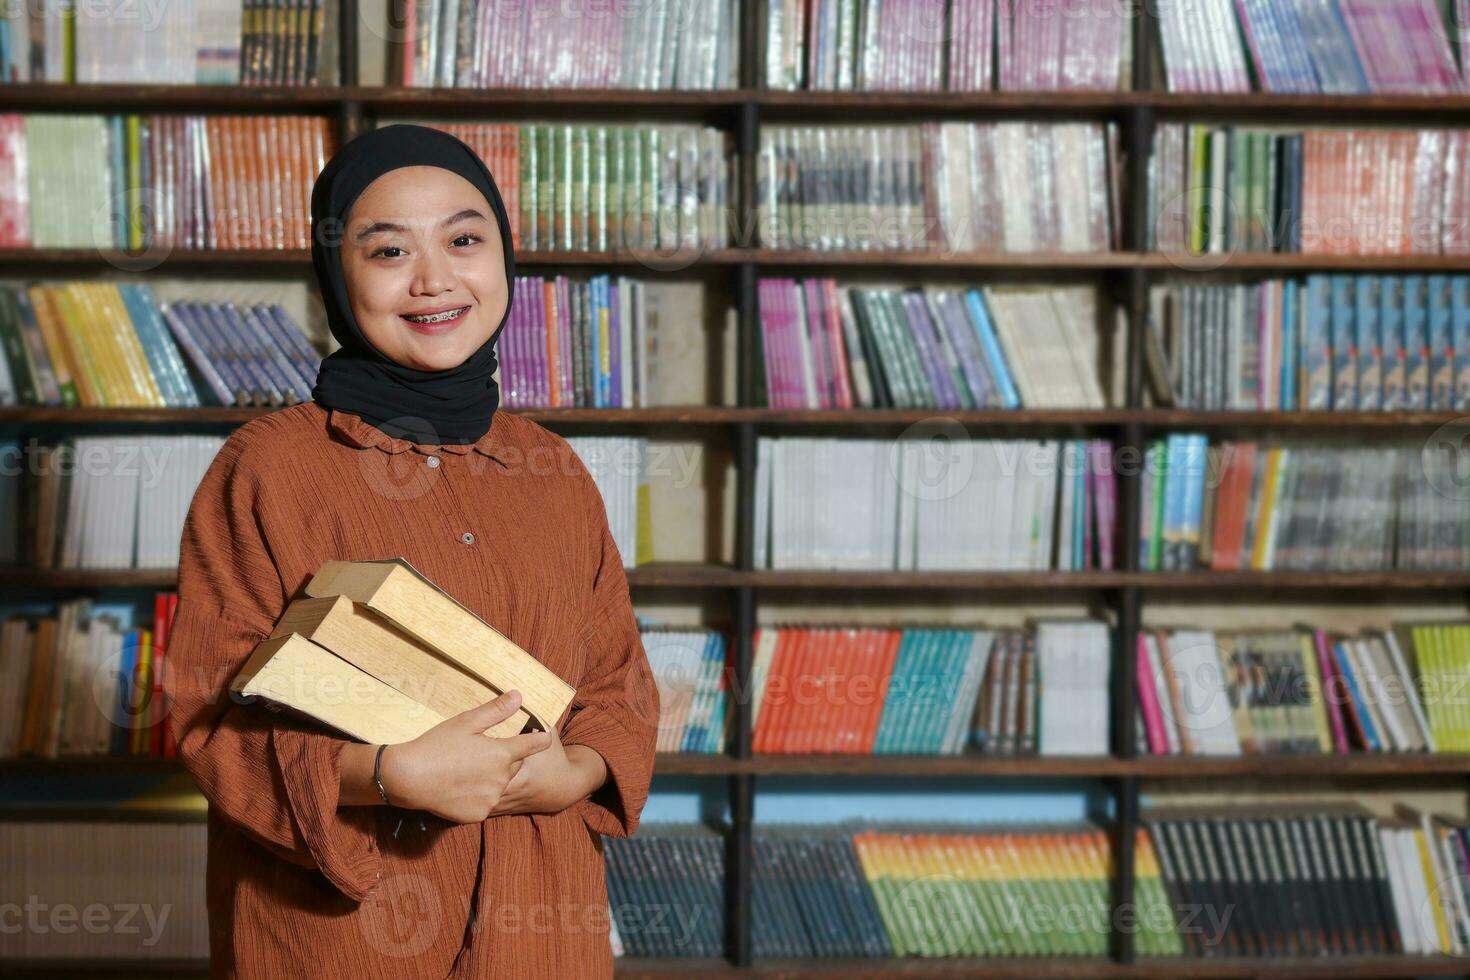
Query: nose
point(433, 273)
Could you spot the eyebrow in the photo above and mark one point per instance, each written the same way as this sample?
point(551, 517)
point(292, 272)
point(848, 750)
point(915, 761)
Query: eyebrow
point(380, 227)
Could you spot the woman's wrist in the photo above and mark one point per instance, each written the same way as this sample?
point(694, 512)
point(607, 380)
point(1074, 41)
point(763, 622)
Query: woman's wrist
point(356, 786)
point(590, 769)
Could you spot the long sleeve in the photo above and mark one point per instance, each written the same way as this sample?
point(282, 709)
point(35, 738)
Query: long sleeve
point(274, 777)
point(616, 708)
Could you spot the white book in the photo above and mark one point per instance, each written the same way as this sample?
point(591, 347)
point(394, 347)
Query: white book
point(1410, 689)
point(762, 550)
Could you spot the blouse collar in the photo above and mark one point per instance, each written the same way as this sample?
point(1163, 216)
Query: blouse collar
point(363, 435)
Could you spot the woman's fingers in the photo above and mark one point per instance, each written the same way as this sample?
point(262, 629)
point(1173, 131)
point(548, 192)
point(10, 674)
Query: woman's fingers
point(491, 713)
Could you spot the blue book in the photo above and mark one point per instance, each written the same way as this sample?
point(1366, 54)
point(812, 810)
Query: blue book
point(1416, 343)
point(990, 343)
point(1196, 448)
point(1344, 344)
point(1176, 490)
point(127, 663)
point(1391, 341)
point(1441, 346)
point(615, 327)
point(1349, 676)
point(1316, 356)
point(1370, 360)
point(1460, 338)
point(1290, 345)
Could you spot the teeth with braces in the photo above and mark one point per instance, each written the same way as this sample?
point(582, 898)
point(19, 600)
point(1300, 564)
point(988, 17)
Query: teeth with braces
point(436, 317)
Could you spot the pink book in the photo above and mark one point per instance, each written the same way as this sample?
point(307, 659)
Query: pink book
point(766, 291)
point(779, 391)
point(1003, 26)
point(1455, 237)
point(1333, 691)
point(1148, 701)
point(775, 335)
point(1105, 489)
point(519, 355)
point(540, 354)
point(1088, 504)
point(839, 343)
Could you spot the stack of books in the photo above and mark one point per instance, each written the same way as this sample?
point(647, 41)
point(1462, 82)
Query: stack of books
point(412, 656)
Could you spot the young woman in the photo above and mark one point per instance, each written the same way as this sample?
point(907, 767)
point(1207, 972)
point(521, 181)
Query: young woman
point(497, 870)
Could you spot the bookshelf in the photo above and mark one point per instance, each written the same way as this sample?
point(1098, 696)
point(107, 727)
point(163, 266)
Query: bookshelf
point(739, 586)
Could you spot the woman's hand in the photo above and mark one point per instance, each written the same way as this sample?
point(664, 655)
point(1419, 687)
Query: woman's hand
point(454, 769)
point(551, 781)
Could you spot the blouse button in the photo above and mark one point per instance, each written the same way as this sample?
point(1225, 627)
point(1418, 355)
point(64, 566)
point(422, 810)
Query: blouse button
point(434, 462)
point(467, 538)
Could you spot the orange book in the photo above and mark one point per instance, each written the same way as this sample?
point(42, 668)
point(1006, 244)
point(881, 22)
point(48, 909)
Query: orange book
point(218, 212)
point(553, 347)
point(798, 690)
point(821, 712)
point(889, 641)
point(857, 686)
point(774, 695)
point(256, 197)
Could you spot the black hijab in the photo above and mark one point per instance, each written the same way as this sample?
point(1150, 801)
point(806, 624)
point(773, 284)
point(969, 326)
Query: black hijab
point(453, 406)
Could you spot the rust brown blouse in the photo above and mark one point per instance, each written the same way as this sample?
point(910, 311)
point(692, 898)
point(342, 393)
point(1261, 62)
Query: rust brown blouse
point(515, 529)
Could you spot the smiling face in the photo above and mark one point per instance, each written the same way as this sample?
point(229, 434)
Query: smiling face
point(424, 267)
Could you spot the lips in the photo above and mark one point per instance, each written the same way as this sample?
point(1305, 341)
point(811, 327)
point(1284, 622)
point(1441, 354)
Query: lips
point(435, 321)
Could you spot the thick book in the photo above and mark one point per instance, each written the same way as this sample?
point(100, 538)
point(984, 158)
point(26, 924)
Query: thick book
point(381, 653)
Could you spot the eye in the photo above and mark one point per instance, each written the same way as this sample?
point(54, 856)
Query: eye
point(385, 249)
point(469, 238)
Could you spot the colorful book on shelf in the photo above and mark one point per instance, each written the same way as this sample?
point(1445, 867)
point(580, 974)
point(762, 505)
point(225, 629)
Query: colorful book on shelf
point(1305, 690)
point(89, 344)
point(84, 683)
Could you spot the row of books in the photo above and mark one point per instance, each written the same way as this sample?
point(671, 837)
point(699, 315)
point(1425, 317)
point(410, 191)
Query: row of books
point(931, 691)
point(1365, 343)
point(1250, 506)
point(1303, 880)
point(199, 42)
point(1330, 46)
point(578, 343)
point(1224, 189)
point(568, 342)
point(956, 46)
point(114, 344)
point(656, 44)
point(103, 502)
point(111, 502)
point(619, 467)
point(1010, 186)
point(688, 666)
point(605, 187)
point(935, 500)
point(133, 182)
point(1306, 690)
point(86, 682)
point(111, 889)
point(944, 890)
point(831, 346)
point(1260, 882)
